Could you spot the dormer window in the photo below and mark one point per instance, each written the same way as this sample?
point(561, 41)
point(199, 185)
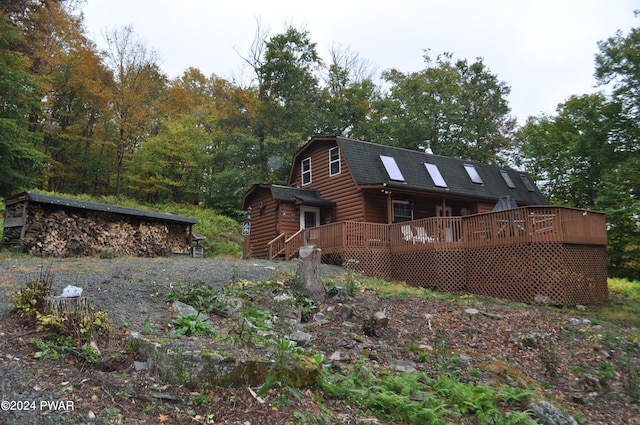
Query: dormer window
point(306, 171)
point(334, 161)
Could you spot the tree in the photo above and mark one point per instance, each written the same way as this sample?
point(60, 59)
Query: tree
point(347, 97)
point(459, 108)
point(138, 85)
point(288, 94)
point(570, 153)
point(165, 167)
point(19, 99)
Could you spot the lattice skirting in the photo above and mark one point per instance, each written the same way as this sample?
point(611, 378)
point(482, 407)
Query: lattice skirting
point(549, 273)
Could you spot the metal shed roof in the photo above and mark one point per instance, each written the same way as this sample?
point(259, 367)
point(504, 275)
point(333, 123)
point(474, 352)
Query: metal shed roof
point(96, 206)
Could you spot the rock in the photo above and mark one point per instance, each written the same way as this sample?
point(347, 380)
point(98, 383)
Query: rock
point(425, 348)
point(381, 319)
point(403, 366)
point(471, 312)
point(182, 309)
point(320, 318)
point(303, 339)
point(547, 414)
point(227, 307)
point(336, 356)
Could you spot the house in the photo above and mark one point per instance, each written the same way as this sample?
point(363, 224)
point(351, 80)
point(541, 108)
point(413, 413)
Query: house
point(429, 220)
point(53, 226)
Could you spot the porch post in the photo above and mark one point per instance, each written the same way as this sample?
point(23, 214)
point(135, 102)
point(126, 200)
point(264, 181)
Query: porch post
point(389, 207)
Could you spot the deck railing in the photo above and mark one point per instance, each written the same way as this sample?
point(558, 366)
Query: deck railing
point(515, 226)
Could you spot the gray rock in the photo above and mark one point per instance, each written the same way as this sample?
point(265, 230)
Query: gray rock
point(547, 414)
point(403, 366)
point(182, 309)
point(303, 339)
point(227, 307)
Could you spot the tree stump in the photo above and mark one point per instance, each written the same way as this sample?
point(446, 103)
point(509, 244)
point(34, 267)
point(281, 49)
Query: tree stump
point(59, 305)
point(309, 273)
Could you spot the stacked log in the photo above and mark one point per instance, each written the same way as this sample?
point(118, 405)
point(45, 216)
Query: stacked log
point(59, 233)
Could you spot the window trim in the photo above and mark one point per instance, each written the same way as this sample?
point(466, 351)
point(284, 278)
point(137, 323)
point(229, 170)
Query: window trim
point(334, 161)
point(393, 210)
point(306, 172)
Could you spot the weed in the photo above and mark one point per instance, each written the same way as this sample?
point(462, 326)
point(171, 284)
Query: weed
point(606, 371)
point(52, 350)
point(30, 298)
point(191, 326)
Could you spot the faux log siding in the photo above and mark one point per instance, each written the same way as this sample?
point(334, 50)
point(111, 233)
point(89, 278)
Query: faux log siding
point(263, 227)
point(376, 208)
point(341, 189)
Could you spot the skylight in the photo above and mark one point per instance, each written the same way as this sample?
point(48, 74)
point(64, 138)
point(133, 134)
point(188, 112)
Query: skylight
point(434, 172)
point(473, 173)
point(527, 183)
point(392, 168)
point(507, 179)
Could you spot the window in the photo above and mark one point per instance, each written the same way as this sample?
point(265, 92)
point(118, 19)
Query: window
point(306, 171)
point(434, 172)
point(527, 183)
point(507, 179)
point(402, 211)
point(334, 161)
point(392, 168)
point(473, 173)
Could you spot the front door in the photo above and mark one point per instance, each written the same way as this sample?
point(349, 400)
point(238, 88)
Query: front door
point(309, 217)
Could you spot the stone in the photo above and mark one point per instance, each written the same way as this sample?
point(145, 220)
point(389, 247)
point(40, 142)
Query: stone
point(227, 307)
point(403, 366)
point(182, 309)
point(302, 339)
point(547, 414)
point(471, 312)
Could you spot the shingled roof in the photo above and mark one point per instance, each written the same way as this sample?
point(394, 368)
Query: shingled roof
point(364, 159)
point(96, 206)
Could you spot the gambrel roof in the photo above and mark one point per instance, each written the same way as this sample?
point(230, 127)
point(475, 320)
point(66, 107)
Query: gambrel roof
point(368, 169)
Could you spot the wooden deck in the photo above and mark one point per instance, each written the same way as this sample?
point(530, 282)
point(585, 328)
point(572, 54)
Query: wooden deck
point(553, 254)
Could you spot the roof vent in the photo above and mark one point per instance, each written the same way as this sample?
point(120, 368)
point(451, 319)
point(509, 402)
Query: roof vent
point(427, 148)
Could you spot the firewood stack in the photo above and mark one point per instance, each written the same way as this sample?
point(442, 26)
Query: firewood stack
point(58, 233)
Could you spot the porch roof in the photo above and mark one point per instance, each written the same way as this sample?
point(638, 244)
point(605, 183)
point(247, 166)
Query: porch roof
point(292, 194)
point(367, 168)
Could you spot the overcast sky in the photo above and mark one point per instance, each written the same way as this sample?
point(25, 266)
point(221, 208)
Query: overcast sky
point(544, 49)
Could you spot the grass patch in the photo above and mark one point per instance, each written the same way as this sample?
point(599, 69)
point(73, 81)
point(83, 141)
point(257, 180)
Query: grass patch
point(627, 288)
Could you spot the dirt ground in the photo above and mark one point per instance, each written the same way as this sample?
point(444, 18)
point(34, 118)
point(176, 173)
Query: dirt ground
point(502, 341)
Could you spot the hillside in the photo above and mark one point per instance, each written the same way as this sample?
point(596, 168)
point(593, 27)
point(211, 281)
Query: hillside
point(436, 358)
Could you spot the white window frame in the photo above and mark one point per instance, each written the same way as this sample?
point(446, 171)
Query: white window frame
point(306, 172)
point(473, 173)
point(334, 161)
point(393, 171)
point(404, 218)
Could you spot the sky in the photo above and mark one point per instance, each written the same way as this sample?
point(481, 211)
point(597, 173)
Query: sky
point(544, 49)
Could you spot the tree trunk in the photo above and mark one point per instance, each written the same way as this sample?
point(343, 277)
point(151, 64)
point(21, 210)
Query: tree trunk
point(309, 273)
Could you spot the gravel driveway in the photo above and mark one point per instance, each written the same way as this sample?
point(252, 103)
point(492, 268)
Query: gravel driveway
point(132, 290)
